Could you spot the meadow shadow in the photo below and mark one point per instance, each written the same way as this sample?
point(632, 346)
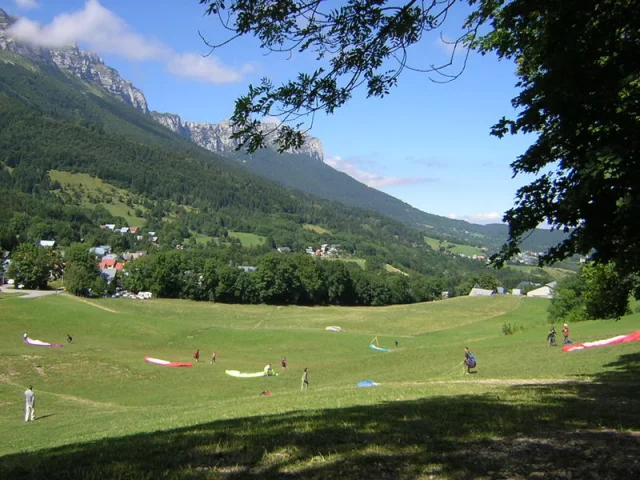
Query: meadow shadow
point(563, 430)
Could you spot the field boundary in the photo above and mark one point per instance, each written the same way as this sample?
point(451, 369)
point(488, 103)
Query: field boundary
point(106, 309)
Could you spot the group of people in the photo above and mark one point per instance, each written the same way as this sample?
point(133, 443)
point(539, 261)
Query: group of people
point(196, 356)
point(268, 372)
point(551, 338)
point(268, 369)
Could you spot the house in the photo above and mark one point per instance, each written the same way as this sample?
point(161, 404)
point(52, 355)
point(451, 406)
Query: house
point(247, 268)
point(108, 274)
point(153, 239)
point(480, 292)
point(110, 226)
point(47, 243)
point(120, 266)
point(101, 250)
point(151, 233)
point(124, 230)
point(284, 249)
point(523, 285)
point(516, 291)
point(107, 263)
point(543, 292)
point(134, 229)
point(139, 237)
point(444, 295)
point(500, 290)
point(310, 251)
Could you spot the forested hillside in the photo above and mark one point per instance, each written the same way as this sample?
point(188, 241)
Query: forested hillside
point(53, 122)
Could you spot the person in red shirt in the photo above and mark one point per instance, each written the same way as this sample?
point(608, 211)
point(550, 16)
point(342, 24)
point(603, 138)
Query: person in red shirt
point(565, 334)
point(284, 362)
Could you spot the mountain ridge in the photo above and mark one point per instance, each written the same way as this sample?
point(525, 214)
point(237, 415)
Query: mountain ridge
point(304, 169)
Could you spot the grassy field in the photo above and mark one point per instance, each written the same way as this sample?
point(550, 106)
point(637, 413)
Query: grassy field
point(93, 191)
point(315, 228)
point(557, 273)
point(102, 412)
point(248, 239)
point(467, 250)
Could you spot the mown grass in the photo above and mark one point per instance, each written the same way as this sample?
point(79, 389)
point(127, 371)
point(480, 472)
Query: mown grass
point(557, 273)
point(467, 250)
point(88, 187)
point(392, 269)
point(315, 228)
point(248, 239)
point(105, 413)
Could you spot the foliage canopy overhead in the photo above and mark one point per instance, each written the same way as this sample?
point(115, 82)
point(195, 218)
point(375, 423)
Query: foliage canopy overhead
point(358, 43)
point(578, 65)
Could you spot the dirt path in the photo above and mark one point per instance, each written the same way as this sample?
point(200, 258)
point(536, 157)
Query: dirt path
point(106, 309)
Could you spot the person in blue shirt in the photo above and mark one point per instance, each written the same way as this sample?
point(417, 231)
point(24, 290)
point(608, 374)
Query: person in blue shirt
point(469, 361)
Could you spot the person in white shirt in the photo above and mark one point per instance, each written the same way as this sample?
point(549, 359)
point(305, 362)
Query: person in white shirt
point(30, 404)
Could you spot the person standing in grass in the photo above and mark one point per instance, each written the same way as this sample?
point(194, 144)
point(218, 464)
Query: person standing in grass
point(196, 355)
point(305, 380)
point(469, 361)
point(565, 334)
point(284, 363)
point(69, 338)
point(213, 357)
point(30, 405)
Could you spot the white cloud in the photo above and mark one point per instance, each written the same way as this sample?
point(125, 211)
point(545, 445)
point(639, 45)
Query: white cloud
point(449, 46)
point(481, 218)
point(370, 179)
point(27, 4)
point(104, 32)
point(197, 67)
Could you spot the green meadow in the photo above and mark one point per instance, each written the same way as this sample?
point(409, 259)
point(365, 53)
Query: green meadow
point(102, 412)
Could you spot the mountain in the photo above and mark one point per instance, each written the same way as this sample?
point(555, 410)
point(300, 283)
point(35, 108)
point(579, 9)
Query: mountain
point(216, 137)
point(303, 169)
point(84, 65)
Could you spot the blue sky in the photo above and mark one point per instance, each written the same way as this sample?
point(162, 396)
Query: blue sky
point(427, 143)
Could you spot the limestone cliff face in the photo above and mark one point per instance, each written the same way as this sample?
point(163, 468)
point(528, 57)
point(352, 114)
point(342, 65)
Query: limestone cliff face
point(91, 68)
point(85, 65)
point(216, 137)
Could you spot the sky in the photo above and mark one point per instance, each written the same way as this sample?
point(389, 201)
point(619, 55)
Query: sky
point(426, 143)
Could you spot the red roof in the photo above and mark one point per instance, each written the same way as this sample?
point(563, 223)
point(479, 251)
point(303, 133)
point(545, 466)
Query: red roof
point(119, 266)
point(134, 229)
point(108, 263)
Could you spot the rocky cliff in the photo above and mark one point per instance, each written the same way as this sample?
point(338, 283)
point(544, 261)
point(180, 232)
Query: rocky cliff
point(92, 69)
point(87, 66)
point(216, 137)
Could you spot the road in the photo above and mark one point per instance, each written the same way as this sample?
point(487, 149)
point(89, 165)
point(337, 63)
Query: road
point(24, 293)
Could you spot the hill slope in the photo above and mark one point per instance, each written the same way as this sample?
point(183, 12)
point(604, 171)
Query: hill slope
point(304, 170)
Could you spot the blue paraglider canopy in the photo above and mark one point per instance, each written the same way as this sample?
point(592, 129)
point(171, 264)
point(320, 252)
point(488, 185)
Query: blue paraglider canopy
point(368, 383)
